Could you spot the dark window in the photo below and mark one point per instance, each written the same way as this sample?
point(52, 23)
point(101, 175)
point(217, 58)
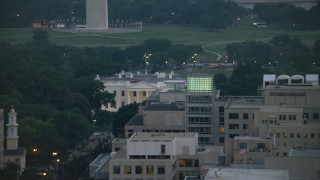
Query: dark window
point(245, 116)
point(138, 169)
point(233, 115)
point(161, 170)
point(243, 145)
point(116, 169)
point(221, 139)
point(144, 93)
point(221, 120)
point(233, 126)
point(315, 115)
point(261, 145)
point(221, 110)
point(134, 93)
point(245, 126)
point(122, 93)
point(163, 149)
point(115, 93)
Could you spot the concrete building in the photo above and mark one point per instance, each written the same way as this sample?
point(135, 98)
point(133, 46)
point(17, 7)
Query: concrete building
point(97, 15)
point(158, 117)
point(136, 88)
point(248, 150)
point(301, 164)
point(162, 156)
point(199, 107)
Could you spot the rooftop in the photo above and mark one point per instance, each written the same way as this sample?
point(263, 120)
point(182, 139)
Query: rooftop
point(140, 136)
point(247, 174)
point(164, 107)
point(250, 138)
point(304, 153)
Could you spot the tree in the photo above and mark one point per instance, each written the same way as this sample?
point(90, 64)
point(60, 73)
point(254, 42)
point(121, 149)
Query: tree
point(40, 37)
point(124, 114)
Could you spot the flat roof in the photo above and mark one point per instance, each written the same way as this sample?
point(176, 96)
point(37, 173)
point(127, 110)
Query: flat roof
point(138, 136)
point(280, 109)
point(304, 153)
point(250, 138)
point(269, 78)
point(247, 174)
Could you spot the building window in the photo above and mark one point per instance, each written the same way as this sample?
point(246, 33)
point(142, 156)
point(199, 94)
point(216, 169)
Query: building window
point(221, 120)
point(233, 126)
point(233, 115)
point(116, 169)
point(291, 135)
point(161, 170)
point(221, 129)
point(221, 110)
point(115, 93)
point(284, 135)
point(188, 163)
point(243, 145)
point(138, 169)
point(305, 135)
point(305, 115)
point(144, 93)
point(150, 169)
point(134, 93)
point(122, 103)
point(245, 126)
point(221, 139)
point(163, 149)
point(245, 116)
point(292, 117)
point(261, 145)
point(298, 135)
point(282, 117)
point(127, 169)
point(312, 135)
point(315, 115)
point(122, 93)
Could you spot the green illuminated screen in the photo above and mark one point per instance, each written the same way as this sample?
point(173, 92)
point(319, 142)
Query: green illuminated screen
point(199, 84)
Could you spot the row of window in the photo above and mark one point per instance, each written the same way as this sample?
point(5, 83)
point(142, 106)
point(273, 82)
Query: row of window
point(290, 117)
point(138, 169)
point(200, 130)
point(298, 135)
point(199, 120)
point(199, 99)
point(144, 93)
point(236, 116)
point(188, 163)
point(198, 110)
point(236, 126)
point(259, 146)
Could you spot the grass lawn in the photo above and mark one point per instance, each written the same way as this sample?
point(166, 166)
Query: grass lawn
point(212, 41)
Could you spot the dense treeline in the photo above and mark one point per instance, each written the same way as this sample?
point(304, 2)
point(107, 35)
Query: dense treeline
point(288, 15)
point(53, 88)
point(284, 54)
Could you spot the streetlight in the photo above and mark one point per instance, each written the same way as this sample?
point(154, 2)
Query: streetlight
point(146, 57)
point(94, 125)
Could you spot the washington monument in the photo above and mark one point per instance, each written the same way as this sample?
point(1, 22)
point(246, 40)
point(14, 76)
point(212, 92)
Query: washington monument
point(97, 15)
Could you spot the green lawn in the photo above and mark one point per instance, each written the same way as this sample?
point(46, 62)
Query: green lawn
point(212, 41)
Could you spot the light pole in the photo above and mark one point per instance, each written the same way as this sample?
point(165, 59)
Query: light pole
point(94, 125)
point(146, 57)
